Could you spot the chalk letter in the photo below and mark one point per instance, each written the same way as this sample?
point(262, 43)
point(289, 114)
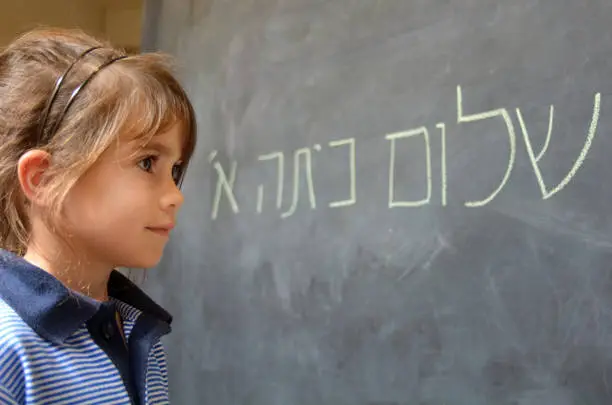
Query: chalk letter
point(500, 112)
point(280, 176)
point(442, 128)
point(407, 134)
point(585, 149)
point(353, 197)
point(259, 198)
point(296, 180)
point(224, 184)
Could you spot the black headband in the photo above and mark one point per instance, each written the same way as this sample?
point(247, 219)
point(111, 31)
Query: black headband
point(58, 84)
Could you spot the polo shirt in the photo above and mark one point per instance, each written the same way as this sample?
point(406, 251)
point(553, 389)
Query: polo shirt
point(61, 347)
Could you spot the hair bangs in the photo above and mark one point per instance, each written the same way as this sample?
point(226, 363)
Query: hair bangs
point(155, 104)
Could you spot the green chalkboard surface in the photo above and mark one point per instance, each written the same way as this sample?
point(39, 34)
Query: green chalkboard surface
point(392, 202)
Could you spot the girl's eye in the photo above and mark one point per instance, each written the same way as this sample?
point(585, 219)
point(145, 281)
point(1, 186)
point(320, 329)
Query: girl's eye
point(146, 164)
point(177, 173)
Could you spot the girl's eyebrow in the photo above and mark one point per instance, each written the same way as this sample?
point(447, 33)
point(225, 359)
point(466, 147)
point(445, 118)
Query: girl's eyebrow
point(163, 149)
point(158, 147)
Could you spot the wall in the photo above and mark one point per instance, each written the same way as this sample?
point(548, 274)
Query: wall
point(123, 22)
point(119, 21)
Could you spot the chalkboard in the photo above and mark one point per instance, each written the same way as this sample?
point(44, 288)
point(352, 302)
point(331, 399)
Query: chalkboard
point(392, 202)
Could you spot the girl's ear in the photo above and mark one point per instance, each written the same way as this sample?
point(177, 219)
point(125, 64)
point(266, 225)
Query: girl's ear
point(30, 169)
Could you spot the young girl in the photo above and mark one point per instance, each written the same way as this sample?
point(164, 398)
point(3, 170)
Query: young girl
point(93, 147)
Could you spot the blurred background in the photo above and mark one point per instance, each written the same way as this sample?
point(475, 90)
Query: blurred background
point(116, 20)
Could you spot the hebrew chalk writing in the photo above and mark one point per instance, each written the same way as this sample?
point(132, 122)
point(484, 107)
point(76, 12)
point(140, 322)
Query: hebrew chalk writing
point(225, 186)
point(500, 112)
point(280, 170)
point(579, 160)
point(352, 173)
point(408, 134)
point(442, 127)
point(302, 174)
point(296, 180)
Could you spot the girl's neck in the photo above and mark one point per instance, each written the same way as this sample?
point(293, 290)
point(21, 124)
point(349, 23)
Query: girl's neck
point(84, 277)
point(71, 265)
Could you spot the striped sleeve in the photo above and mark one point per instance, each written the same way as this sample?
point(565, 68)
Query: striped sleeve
point(6, 398)
point(157, 376)
point(12, 376)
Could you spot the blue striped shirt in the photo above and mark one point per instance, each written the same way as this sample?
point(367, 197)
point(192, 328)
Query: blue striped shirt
point(60, 347)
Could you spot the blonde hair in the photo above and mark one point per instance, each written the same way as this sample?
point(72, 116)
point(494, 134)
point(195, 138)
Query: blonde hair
point(136, 95)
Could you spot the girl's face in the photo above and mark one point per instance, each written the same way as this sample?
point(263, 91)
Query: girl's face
point(122, 210)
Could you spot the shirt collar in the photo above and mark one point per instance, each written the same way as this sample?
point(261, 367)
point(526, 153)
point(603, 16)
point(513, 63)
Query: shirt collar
point(54, 311)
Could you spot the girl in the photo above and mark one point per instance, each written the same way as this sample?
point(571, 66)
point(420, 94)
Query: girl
point(93, 147)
